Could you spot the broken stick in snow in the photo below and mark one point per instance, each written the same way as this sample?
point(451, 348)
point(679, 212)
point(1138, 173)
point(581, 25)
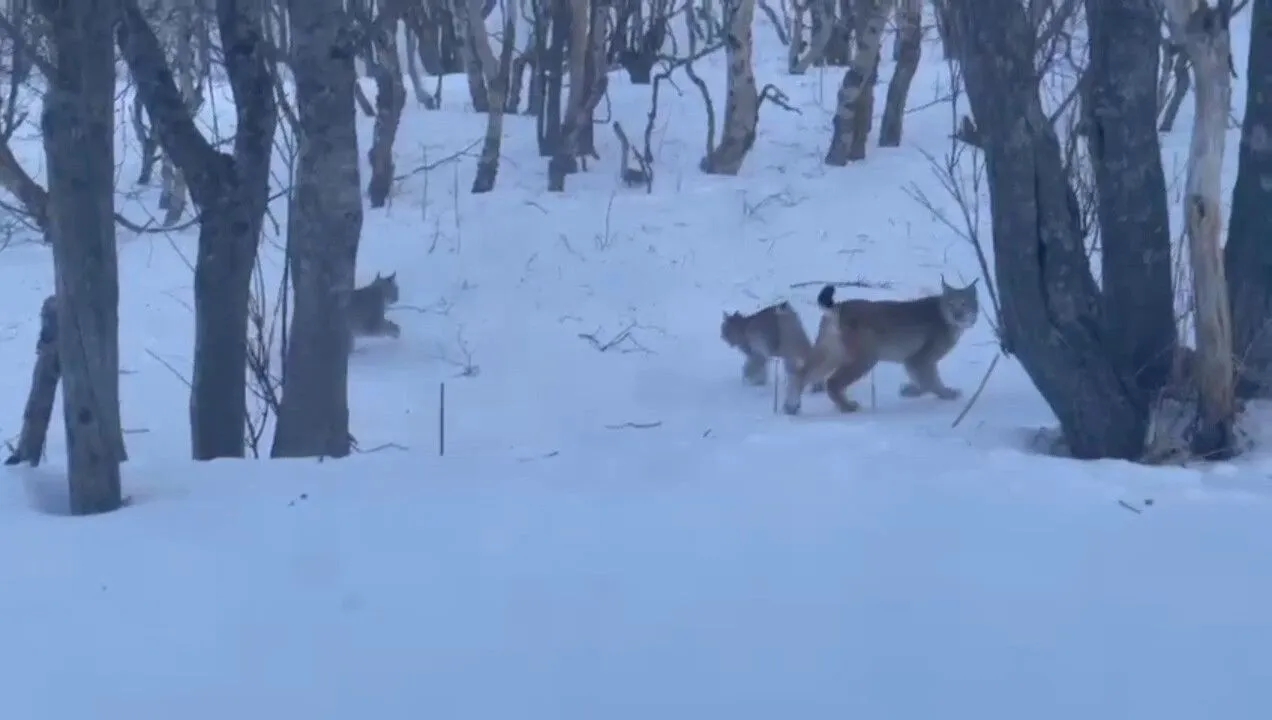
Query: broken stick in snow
point(44, 380)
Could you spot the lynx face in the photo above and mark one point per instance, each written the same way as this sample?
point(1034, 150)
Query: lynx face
point(386, 287)
point(733, 330)
point(959, 306)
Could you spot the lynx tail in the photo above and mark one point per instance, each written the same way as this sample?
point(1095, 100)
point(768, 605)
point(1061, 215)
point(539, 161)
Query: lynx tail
point(826, 298)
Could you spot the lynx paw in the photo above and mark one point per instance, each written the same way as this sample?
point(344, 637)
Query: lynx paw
point(817, 387)
point(910, 390)
point(790, 408)
point(848, 406)
point(949, 393)
point(756, 380)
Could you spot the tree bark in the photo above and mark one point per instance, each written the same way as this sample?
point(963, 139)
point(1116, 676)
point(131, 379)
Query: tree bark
point(497, 79)
point(1248, 254)
point(1052, 317)
point(465, 27)
point(909, 50)
point(742, 107)
point(1203, 31)
point(78, 124)
point(1121, 116)
point(231, 194)
point(390, 101)
point(846, 123)
point(313, 416)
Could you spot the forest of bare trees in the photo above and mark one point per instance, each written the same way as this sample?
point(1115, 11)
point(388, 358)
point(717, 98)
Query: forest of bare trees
point(1066, 178)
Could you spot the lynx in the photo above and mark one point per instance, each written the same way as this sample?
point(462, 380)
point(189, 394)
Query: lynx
point(856, 335)
point(773, 332)
point(367, 306)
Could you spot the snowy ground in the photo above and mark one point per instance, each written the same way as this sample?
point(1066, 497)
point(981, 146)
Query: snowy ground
point(629, 533)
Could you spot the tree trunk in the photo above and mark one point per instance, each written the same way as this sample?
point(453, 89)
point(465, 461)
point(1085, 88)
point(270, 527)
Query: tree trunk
point(231, 194)
point(823, 15)
point(1121, 117)
point(313, 416)
point(865, 61)
point(909, 48)
point(45, 378)
point(1204, 35)
point(390, 100)
point(497, 80)
point(1248, 254)
point(1052, 318)
point(742, 107)
point(465, 27)
point(78, 125)
point(172, 195)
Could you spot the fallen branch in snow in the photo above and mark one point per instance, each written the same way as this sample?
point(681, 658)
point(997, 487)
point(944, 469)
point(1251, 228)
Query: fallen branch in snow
point(979, 389)
point(453, 157)
point(635, 426)
point(378, 448)
point(867, 284)
point(544, 456)
point(1130, 507)
point(616, 342)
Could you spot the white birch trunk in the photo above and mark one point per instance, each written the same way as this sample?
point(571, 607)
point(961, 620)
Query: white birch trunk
point(1207, 41)
point(741, 110)
point(845, 125)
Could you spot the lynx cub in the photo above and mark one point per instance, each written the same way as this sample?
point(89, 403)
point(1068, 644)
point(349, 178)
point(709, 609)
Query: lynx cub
point(367, 306)
point(856, 335)
point(774, 332)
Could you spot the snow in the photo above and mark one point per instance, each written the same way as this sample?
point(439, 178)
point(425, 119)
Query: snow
point(630, 533)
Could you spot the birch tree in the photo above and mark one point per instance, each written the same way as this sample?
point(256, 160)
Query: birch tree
point(324, 228)
point(847, 124)
point(497, 81)
point(742, 104)
point(1202, 31)
point(79, 141)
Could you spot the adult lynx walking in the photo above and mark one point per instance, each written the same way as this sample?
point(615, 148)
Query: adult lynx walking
point(857, 334)
point(773, 332)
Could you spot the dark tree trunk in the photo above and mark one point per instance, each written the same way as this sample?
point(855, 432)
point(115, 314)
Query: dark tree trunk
point(1052, 318)
point(231, 194)
point(313, 417)
point(78, 124)
point(1248, 254)
point(1121, 120)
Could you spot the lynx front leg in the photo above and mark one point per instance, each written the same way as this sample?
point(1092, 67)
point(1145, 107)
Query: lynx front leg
point(755, 370)
point(391, 329)
point(818, 366)
point(928, 379)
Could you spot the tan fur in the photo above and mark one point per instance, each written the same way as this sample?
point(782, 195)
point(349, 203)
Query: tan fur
point(773, 332)
point(855, 335)
point(368, 305)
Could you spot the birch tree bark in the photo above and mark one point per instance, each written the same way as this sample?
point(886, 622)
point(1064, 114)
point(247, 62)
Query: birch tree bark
point(172, 196)
point(846, 124)
point(79, 144)
point(1203, 32)
point(497, 80)
point(390, 101)
point(742, 106)
point(313, 416)
point(823, 15)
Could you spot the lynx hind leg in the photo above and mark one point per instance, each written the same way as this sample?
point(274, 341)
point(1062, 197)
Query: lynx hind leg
point(819, 364)
point(925, 378)
point(843, 377)
point(390, 329)
point(755, 370)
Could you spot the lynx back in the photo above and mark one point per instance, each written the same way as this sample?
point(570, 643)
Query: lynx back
point(856, 335)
